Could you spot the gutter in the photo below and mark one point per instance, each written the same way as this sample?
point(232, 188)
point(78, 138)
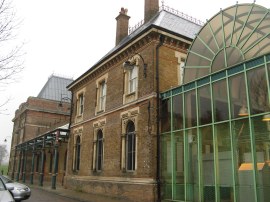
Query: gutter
point(161, 40)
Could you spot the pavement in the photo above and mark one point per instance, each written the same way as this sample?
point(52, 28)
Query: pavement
point(76, 195)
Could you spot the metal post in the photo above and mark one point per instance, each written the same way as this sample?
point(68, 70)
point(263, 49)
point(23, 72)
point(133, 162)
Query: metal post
point(32, 168)
point(24, 164)
point(55, 164)
point(41, 174)
point(14, 161)
point(19, 166)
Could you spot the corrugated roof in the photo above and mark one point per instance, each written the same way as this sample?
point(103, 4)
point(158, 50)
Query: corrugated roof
point(56, 88)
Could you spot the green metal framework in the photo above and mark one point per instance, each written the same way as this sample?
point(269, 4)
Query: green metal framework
point(211, 152)
point(215, 140)
point(236, 34)
point(49, 140)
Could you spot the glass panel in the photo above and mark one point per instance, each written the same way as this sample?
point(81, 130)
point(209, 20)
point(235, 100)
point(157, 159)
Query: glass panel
point(234, 56)
point(228, 19)
point(204, 99)
point(195, 60)
point(192, 165)
point(177, 112)
point(258, 91)
point(199, 47)
point(165, 116)
point(224, 153)
point(241, 16)
point(238, 97)
point(218, 62)
point(245, 182)
point(178, 161)
point(208, 165)
point(190, 109)
point(262, 142)
point(166, 167)
point(99, 150)
point(207, 37)
point(261, 31)
point(216, 23)
point(220, 100)
point(131, 146)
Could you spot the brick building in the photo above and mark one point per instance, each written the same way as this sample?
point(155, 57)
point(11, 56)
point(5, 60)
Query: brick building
point(34, 120)
point(114, 146)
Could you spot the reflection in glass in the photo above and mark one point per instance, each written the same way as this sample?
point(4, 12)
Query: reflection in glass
point(193, 170)
point(165, 116)
point(224, 153)
point(166, 166)
point(238, 96)
point(190, 109)
point(178, 167)
point(262, 145)
point(245, 185)
point(177, 112)
point(208, 165)
point(204, 99)
point(220, 101)
point(258, 91)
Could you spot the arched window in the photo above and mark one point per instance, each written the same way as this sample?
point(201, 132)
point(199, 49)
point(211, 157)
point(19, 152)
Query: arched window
point(77, 153)
point(99, 150)
point(130, 146)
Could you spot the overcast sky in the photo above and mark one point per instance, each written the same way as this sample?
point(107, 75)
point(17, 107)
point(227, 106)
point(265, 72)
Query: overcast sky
point(66, 37)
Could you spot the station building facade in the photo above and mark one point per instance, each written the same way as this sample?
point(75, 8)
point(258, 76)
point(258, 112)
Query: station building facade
point(113, 144)
point(215, 136)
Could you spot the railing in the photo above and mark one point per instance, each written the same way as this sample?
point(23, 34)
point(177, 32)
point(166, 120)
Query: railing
point(170, 10)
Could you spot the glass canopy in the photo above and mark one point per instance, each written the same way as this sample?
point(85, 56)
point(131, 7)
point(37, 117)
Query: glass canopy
point(233, 35)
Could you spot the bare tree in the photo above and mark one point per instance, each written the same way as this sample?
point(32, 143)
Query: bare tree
point(10, 52)
point(3, 153)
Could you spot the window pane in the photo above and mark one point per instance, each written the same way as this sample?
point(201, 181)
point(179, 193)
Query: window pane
point(258, 92)
point(204, 99)
point(238, 96)
point(179, 182)
point(133, 74)
point(99, 149)
point(220, 101)
point(245, 185)
point(190, 109)
point(208, 168)
point(131, 146)
point(193, 170)
point(262, 142)
point(166, 166)
point(165, 116)
point(224, 153)
point(177, 112)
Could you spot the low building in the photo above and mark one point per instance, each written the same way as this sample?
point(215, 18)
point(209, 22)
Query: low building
point(34, 119)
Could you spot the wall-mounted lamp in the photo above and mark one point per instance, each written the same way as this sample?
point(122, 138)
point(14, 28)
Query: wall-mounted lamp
point(63, 99)
point(266, 117)
point(243, 111)
point(134, 61)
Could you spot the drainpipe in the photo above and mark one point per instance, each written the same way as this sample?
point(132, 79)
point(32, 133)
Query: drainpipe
point(161, 40)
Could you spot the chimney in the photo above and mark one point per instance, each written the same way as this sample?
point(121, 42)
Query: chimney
point(151, 7)
point(122, 25)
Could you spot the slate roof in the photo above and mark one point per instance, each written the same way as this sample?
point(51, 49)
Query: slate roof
point(164, 20)
point(55, 87)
